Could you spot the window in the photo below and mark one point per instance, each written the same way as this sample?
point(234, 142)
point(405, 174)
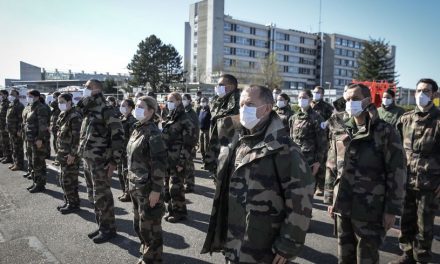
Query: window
point(337, 61)
point(307, 61)
point(242, 52)
point(279, 36)
point(280, 57)
point(304, 71)
point(253, 31)
point(344, 42)
point(357, 45)
point(338, 51)
point(226, 50)
point(226, 63)
point(307, 51)
point(295, 39)
point(294, 49)
point(242, 41)
point(243, 29)
point(293, 59)
point(252, 53)
point(261, 32)
point(279, 47)
point(260, 43)
point(308, 41)
point(350, 53)
point(226, 38)
point(252, 65)
point(260, 54)
point(286, 47)
point(338, 41)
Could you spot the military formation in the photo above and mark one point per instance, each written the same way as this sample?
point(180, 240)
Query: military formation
point(267, 162)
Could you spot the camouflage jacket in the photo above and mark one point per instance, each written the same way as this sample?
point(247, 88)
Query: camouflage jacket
point(366, 173)
point(128, 126)
point(54, 116)
point(220, 108)
point(262, 204)
point(36, 122)
point(194, 118)
point(306, 131)
point(421, 141)
point(26, 111)
point(69, 128)
point(4, 105)
point(391, 114)
point(14, 117)
point(180, 135)
point(147, 157)
point(324, 109)
point(284, 113)
point(102, 135)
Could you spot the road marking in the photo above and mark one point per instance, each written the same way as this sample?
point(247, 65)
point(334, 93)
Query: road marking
point(36, 244)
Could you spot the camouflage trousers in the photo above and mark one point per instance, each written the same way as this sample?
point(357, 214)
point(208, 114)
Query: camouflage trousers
point(190, 180)
point(29, 156)
point(203, 142)
point(147, 223)
point(122, 173)
point(417, 224)
point(174, 188)
point(38, 163)
point(102, 194)
point(17, 149)
point(5, 143)
point(358, 241)
point(69, 180)
point(89, 181)
point(54, 140)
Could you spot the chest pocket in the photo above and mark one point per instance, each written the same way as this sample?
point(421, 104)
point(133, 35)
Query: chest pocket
point(303, 129)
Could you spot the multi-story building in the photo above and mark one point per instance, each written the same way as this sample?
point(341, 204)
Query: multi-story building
point(216, 43)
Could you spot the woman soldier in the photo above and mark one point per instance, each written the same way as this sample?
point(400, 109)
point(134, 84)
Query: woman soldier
point(283, 109)
point(128, 121)
point(147, 169)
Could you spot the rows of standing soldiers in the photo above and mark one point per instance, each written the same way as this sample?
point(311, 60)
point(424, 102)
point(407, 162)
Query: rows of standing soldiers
point(152, 148)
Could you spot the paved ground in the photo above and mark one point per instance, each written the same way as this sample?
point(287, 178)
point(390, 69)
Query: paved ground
point(33, 231)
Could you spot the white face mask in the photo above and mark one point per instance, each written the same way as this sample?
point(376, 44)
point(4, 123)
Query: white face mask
point(303, 103)
point(422, 100)
point(354, 108)
point(123, 110)
point(171, 106)
point(387, 101)
point(281, 103)
point(11, 98)
point(248, 116)
point(275, 96)
point(62, 107)
point(220, 91)
point(139, 113)
point(185, 103)
point(30, 99)
point(317, 96)
point(87, 92)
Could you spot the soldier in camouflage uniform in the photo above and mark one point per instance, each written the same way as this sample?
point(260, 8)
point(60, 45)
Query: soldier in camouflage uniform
point(420, 129)
point(147, 170)
point(46, 141)
point(325, 110)
point(36, 128)
point(128, 121)
point(283, 109)
point(189, 177)
point(53, 123)
point(14, 120)
point(306, 131)
point(101, 144)
point(28, 148)
point(390, 112)
point(365, 180)
point(69, 127)
point(262, 204)
point(225, 103)
point(4, 135)
point(180, 135)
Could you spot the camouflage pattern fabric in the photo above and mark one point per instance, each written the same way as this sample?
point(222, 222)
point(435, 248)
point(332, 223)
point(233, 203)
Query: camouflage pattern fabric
point(180, 136)
point(4, 135)
point(421, 141)
point(101, 143)
point(220, 108)
point(391, 114)
point(203, 142)
point(53, 123)
point(36, 128)
point(14, 120)
point(69, 128)
point(262, 204)
point(365, 177)
point(128, 126)
point(147, 169)
point(46, 140)
point(307, 133)
point(324, 109)
point(189, 168)
point(284, 113)
point(26, 111)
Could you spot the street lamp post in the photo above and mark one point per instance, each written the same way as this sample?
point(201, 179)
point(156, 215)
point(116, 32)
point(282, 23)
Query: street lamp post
point(329, 87)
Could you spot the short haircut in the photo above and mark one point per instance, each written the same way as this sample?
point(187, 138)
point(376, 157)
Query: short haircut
point(97, 83)
point(308, 92)
point(15, 92)
point(152, 94)
point(4, 92)
point(285, 96)
point(277, 90)
point(129, 102)
point(56, 94)
point(111, 99)
point(199, 92)
point(66, 96)
point(320, 88)
point(365, 91)
point(390, 92)
point(265, 93)
point(231, 79)
point(150, 102)
point(176, 96)
point(139, 94)
point(433, 83)
point(34, 92)
point(187, 97)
